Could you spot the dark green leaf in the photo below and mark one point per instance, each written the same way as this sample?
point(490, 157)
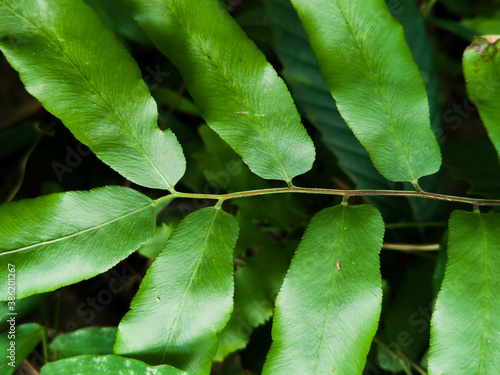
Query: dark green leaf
point(63, 238)
point(328, 307)
point(464, 332)
point(311, 93)
point(22, 307)
point(109, 364)
point(366, 63)
point(90, 340)
point(186, 296)
point(406, 319)
point(237, 91)
point(67, 60)
point(175, 100)
point(257, 282)
point(477, 163)
point(117, 18)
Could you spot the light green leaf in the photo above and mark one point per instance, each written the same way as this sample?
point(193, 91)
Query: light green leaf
point(366, 63)
point(328, 307)
point(155, 245)
point(239, 94)
point(464, 331)
point(63, 238)
point(109, 364)
point(16, 348)
point(68, 60)
point(482, 73)
point(89, 340)
point(185, 297)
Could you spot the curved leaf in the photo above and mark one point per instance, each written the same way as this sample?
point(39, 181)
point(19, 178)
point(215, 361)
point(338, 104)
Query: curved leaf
point(63, 238)
point(302, 74)
point(482, 73)
point(68, 60)
point(464, 327)
point(186, 295)
point(27, 337)
point(239, 94)
point(328, 307)
point(109, 364)
point(88, 340)
point(366, 63)
point(256, 283)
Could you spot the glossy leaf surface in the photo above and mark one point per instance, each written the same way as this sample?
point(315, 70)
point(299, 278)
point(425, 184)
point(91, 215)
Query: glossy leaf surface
point(67, 60)
point(367, 65)
point(328, 307)
point(110, 364)
point(481, 64)
point(52, 246)
point(238, 92)
point(185, 297)
point(464, 332)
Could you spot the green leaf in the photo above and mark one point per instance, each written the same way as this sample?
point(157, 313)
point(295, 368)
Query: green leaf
point(63, 238)
point(239, 94)
point(16, 348)
point(224, 169)
point(116, 16)
point(175, 100)
point(406, 318)
point(67, 60)
point(481, 63)
point(155, 245)
point(421, 49)
point(185, 297)
point(22, 307)
point(486, 25)
point(328, 307)
point(464, 331)
point(257, 282)
point(89, 340)
point(477, 163)
point(109, 364)
point(310, 92)
point(366, 63)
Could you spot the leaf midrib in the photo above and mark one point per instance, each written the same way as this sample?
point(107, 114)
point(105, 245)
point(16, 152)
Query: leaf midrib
point(334, 272)
point(188, 286)
point(107, 105)
point(95, 227)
